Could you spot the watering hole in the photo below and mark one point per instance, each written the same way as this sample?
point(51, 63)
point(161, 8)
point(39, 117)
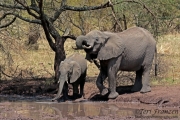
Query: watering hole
point(41, 108)
point(31, 100)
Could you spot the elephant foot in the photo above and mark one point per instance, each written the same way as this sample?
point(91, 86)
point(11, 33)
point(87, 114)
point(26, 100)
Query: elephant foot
point(54, 99)
point(58, 100)
point(145, 89)
point(135, 89)
point(82, 99)
point(76, 95)
point(104, 91)
point(113, 95)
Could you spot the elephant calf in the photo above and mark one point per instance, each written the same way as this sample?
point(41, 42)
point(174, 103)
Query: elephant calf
point(73, 71)
point(130, 50)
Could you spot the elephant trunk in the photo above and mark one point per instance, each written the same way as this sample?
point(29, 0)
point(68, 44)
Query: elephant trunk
point(61, 85)
point(79, 41)
point(85, 45)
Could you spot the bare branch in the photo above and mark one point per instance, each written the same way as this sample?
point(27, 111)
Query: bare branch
point(114, 15)
point(59, 11)
point(3, 16)
point(82, 24)
point(7, 24)
point(45, 26)
point(22, 7)
point(6, 74)
point(138, 2)
point(24, 19)
point(28, 9)
point(69, 36)
point(18, 7)
point(87, 8)
point(78, 26)
point(64, 7)
point(11, 6)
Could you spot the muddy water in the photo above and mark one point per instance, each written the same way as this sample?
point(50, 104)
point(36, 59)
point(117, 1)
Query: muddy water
point(18, 107)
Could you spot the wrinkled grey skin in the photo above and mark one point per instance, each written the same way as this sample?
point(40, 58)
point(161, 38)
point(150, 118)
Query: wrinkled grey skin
point(73, 71)
point(130, 50)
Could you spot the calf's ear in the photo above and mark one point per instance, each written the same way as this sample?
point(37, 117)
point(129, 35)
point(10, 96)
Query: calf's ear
point(76, 71)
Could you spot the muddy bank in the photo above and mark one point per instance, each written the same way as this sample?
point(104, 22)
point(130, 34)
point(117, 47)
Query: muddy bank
point(166, 96)
point(31, 100)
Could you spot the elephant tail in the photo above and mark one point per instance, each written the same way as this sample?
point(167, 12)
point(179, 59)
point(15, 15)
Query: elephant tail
point(155, 61)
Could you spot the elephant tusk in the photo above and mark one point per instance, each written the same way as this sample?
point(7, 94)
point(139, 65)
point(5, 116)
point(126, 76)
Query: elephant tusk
point(84, 46)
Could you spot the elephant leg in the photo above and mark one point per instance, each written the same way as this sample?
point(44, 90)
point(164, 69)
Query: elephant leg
point(145, 81)
point(99, 82)
point(138, 81)
point(82, 87)
point(146, 71)
point(65, 91)
point(75, 90)
point(113, 68)
point(112, 85)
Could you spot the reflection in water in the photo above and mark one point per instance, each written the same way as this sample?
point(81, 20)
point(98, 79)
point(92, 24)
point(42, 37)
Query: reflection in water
point(70, 110)
point(39, 110)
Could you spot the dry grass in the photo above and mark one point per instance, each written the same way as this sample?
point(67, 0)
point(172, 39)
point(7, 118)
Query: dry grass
point(168, 59)
point(36, 64)
point(30, 63)
point(39, 63)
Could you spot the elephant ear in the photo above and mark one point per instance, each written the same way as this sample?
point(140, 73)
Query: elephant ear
point(76, 71)
point(112, 48)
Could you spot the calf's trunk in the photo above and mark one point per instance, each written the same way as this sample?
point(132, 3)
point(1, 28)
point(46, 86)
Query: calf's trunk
point(61, 85)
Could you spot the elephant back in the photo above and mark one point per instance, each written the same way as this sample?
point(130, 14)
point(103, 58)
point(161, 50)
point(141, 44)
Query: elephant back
point(79, 59)
point(137, 34)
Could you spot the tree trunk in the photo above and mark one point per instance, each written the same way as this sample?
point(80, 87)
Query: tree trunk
point(59, 56)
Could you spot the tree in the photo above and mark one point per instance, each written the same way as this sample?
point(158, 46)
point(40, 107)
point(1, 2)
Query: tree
point(158, 16)
point(42, 13)
point(48, 13)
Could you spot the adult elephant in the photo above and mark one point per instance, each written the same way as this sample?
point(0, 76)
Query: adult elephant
point(73, 71)
point(130, 50)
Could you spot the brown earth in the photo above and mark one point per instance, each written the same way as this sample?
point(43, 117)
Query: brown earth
point(164, 96)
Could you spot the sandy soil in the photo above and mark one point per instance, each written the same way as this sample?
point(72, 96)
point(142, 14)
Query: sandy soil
point(164, 96)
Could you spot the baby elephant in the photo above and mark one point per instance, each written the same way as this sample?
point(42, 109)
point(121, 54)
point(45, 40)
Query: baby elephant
point(73, 71)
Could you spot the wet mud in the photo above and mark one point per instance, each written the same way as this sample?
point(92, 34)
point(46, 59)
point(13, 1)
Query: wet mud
point(31, 100)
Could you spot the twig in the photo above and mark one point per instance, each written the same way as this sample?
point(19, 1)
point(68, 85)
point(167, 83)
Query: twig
point(114, 15)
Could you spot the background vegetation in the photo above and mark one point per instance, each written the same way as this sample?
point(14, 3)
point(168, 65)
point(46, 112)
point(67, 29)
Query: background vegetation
point(21, 61)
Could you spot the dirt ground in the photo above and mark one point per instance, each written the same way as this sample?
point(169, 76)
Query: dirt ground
point(164, 96)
